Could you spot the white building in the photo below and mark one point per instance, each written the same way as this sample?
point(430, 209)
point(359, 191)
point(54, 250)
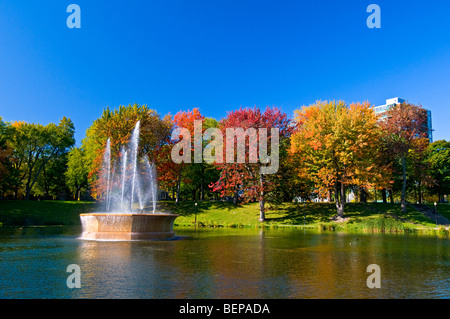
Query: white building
point(381, 109)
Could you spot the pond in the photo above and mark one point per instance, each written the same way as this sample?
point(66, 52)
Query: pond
point(223, 263)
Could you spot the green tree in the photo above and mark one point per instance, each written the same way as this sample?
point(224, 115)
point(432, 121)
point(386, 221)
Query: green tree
point(35, 145)
point(199, 176)
point(77, 171)
point(51, 183)
point(438, 159)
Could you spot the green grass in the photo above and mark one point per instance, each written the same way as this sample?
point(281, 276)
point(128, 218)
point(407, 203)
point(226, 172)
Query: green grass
point(370, 217)
point(214, 213)
point(442, 209)
point(374, 217)
point(42, 213)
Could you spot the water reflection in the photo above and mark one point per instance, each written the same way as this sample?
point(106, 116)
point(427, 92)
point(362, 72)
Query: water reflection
point(228, 263)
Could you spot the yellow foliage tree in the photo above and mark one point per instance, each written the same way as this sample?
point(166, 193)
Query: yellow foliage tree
point(337, 145)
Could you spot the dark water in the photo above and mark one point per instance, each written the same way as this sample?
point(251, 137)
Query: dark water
point(223, 263)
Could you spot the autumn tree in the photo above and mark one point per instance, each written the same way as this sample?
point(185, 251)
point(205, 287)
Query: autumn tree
point(7, 174)
point(191, 177)
point(337, 144)
point(249, 137)
point(404, 134)
point(167, 169)
point(285, 183)
point(385, 164)
point(117, 125)
point(184, 138)
point(198, 175)
point(3, 148)
point(418, 169)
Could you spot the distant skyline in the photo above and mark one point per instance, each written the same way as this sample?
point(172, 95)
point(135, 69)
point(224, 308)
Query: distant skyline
point(218, 56)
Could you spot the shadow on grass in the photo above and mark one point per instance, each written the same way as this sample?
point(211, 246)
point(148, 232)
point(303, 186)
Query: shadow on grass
point(297, 213)
point(310, 213)
point(188, 208)
point(43, 213)
point(301, 213)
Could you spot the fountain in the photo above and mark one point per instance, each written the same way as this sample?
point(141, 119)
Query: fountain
point(130, 186)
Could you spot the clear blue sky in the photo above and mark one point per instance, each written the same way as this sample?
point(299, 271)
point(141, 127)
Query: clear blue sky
point(218, 56)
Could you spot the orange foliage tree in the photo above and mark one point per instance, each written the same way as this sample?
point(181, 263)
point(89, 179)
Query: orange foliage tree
point(117, 125)
point(336, 145)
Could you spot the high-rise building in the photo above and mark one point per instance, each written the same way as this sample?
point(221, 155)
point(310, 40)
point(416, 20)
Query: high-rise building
point(382, 109)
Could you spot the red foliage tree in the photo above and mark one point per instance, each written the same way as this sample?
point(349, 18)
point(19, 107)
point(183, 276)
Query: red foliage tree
point(242, 170)
point(405, 133)
point(182, 120)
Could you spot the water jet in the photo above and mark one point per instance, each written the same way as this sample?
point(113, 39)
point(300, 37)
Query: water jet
point(132, 184)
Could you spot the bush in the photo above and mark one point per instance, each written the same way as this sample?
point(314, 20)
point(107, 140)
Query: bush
point(383, 224)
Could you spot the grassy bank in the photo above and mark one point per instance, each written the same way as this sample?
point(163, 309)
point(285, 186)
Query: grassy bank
point(42, 213)
point(370, 217)
point(442, 209)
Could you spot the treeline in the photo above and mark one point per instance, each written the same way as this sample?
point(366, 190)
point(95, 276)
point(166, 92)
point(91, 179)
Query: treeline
point(326, 151)
point(33, 158)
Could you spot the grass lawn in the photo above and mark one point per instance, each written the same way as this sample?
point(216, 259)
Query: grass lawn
point(41, 213)
point(442, 209)
point(361, 217)
point(370, 216)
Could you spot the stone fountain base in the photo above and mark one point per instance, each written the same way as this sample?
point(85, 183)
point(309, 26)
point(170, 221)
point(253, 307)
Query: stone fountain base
point(127, 226)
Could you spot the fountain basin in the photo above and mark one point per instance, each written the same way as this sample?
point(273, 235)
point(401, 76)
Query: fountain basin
point(127, 226)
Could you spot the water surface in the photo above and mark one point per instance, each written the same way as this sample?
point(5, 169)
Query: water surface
point(223, 263)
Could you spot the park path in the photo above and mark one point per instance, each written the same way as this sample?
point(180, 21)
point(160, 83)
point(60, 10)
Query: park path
point(429, 212)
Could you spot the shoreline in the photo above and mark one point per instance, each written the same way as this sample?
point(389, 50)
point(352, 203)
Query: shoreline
point(360, 217)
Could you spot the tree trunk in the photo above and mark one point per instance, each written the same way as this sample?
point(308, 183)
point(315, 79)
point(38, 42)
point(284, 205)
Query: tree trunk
point(236, 194)
point(340, 199)
point(362, 195)
point(30, 183)
point(403, 199)
point(384, 195)
point(420, 193)
point(202, 189)
point(177, 200)
point(30, 169)
point(262, 201)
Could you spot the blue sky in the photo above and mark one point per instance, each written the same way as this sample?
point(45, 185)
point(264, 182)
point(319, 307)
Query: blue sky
point(219, 56)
